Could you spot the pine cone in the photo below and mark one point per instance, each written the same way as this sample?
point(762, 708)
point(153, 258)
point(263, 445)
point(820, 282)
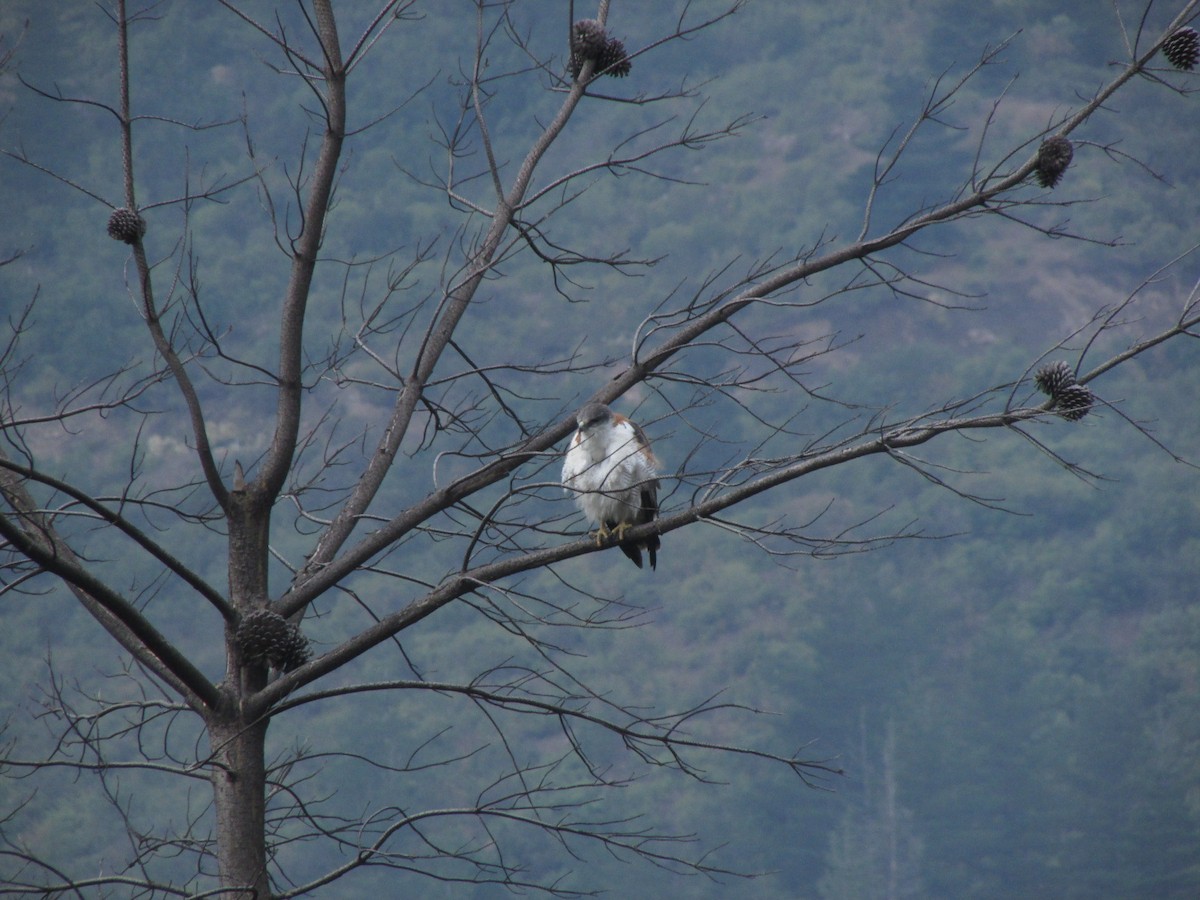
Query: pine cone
point(259, 632)
point(264, 636)
point(1053, 378)
point(1074, 402)
point(1052, 160)
point(1182, 49)
point(588, 39)
point(126, 225)
point(293, 652)
point(613, 61)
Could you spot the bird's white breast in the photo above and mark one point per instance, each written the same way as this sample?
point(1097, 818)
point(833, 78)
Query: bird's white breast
point(604, 470)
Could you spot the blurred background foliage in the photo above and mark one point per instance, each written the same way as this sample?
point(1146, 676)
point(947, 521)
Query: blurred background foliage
point(1014, 697)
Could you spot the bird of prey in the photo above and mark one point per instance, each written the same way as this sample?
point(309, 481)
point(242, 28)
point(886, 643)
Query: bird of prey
point(613, 474)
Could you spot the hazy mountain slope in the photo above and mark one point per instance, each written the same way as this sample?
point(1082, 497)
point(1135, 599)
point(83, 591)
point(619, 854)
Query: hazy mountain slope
point(1035, 669)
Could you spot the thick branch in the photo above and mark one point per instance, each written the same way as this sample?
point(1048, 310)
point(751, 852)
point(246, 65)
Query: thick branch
point(304, 259)
point(149, 310)
point(325, 569)
point(908, 435)
point(35, 538)
point(455, 306)
point(127, 528)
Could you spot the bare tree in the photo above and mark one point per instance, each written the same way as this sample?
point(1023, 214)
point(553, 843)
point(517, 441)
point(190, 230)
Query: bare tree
point(875, 849)
point(397, 456)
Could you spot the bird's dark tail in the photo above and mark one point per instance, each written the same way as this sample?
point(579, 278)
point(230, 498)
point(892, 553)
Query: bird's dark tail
point(633, 549)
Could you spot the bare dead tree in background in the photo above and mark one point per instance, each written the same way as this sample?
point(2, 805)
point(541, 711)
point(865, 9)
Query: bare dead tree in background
point(335, 527)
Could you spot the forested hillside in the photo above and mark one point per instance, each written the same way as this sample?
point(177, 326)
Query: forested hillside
point(993, 645)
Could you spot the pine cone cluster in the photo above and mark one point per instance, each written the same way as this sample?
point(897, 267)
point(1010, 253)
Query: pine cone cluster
point(589, 41)
point(1182, 49)
point(126, 225)
point(1053, 378)
point(588, 38)
point(1071, 401)
point(264, 636)
point(1074, 402)
point(1052, 160)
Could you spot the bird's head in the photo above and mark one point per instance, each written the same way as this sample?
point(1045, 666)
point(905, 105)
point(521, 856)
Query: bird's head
point(592, 416)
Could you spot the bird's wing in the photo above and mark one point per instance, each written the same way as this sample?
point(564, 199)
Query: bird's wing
point(648, 501)
point(641, 469)
point(645, 464)
point(642, 441)
point(574, 464)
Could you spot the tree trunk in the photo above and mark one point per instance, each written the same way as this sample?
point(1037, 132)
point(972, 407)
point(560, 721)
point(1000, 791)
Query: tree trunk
point(238, 745)
point(239, 780)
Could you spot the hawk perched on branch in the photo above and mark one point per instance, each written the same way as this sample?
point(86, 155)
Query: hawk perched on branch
point(614, 476)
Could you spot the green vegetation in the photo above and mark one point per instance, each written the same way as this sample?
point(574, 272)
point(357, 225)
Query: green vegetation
point(1014, 696)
